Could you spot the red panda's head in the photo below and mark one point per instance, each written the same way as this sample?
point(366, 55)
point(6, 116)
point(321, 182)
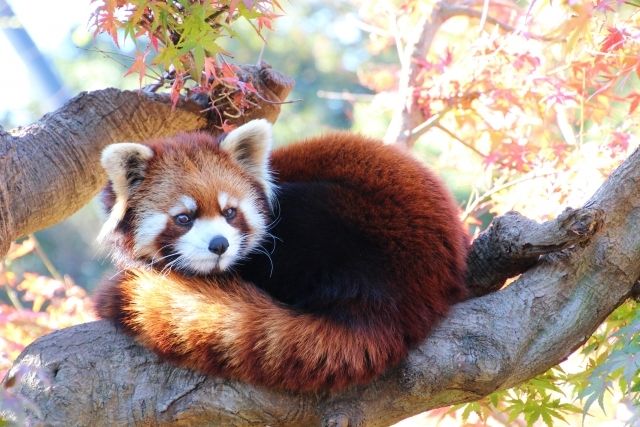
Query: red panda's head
point(189, 203)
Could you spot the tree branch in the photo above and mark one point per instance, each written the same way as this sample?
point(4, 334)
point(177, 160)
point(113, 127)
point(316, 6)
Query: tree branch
point(513, 243)
point(50, 168)
point(486, 343)
point(407, 117)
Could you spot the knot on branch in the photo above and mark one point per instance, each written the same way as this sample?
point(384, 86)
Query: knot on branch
point(337, 420)
point(513, 243)
point(272, 88)
point(342, 413)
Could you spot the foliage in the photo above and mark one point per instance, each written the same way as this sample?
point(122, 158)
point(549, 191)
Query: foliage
point(522, 105)
point(530, 105)
point(184, 42)
point(36, 305)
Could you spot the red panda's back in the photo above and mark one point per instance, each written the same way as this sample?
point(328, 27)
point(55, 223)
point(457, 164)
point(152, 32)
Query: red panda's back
point(362, 228)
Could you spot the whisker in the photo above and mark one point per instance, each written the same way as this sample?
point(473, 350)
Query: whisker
point(262, 250)
point(155, 260)
point(169, 265)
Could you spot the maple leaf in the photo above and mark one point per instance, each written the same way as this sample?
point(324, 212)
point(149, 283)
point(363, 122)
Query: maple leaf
point(619, 142)
point(233, 4)
point(154, 41)
point(491, 159)
point(139, 66)
point(105, 20)
point(604, 6)
point(227, 127)
point(249, 87)
point(635, 101)
point(229, 71)
point(264, 21)
point(176, 87)
point(614, 40)
point(210, 65)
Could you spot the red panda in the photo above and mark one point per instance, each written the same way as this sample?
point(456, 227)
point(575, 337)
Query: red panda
point(312, 268)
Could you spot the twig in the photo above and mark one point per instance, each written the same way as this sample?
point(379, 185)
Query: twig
point(346, 96)
point(259, 61)
point(450, 11)
point(485, 13)
point(423, 127)
point(457, 138)
point(481, 199)
point(13, 297)
point(110, 55)
point(45, 259)
point(396, 38)
point(11, 294)
point(372, 29)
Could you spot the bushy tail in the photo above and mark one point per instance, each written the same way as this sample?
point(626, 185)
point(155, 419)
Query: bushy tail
point(232, 329)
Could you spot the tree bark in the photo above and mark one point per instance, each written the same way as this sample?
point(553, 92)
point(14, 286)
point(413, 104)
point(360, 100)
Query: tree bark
point(50, 169)
point(93, 374)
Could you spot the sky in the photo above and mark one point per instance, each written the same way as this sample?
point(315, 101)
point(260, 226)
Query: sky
point(49, 24)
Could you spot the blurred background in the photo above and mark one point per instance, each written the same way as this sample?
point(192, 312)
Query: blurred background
point(532, 110)
point(316, 42)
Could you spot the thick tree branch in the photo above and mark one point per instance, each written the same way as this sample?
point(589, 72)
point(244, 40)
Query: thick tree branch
point(101, 377)
point(50, 169)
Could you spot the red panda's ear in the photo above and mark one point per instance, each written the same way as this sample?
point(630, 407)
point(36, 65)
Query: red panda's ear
point(250, 146)
point(125, 164)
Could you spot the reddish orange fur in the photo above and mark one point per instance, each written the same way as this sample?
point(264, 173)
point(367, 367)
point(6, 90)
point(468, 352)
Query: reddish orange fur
point(225, 326)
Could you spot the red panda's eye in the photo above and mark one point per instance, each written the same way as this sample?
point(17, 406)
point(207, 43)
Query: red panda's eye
point(229, 213)
point(183, 219)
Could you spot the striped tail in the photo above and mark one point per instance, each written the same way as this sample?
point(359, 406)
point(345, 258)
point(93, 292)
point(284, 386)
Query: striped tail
point(229, 328)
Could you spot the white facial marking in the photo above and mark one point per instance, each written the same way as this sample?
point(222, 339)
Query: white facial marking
point(223, 199)
point(193, 246)
point(189, 203)
point(149, 228)
point(186, 204)
point(255, 220)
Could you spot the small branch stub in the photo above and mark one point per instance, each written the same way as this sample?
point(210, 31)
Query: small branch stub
point(513, 243)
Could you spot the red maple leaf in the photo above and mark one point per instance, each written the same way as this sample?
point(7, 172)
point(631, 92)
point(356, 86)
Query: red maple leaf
point(264, 21)
point(604, 6)
point(614, 40)
point(491, 159)
point(619, 142)
point(105, 19)
point(233, 4)
point(176, 87)
point(229, 71)
point(635, 101)
point(210, 65)
point(227, 127)
point(139, 66)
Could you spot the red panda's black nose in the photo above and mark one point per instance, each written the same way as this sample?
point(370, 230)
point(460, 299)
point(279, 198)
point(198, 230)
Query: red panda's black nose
point(218, 245)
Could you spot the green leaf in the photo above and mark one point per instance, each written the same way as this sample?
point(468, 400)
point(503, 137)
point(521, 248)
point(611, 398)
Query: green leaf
point(198, 59)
